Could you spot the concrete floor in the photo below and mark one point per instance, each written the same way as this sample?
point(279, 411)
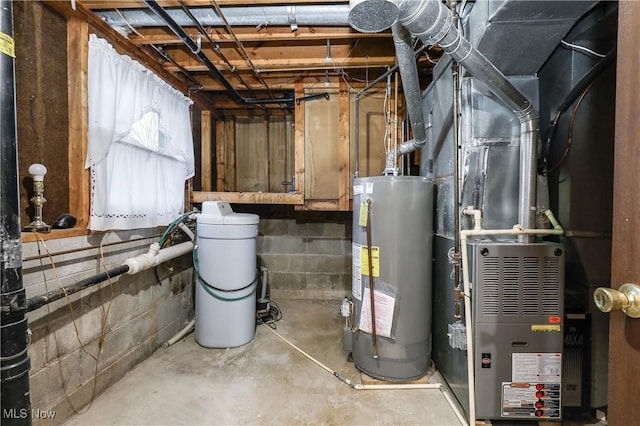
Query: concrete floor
point(263, 382)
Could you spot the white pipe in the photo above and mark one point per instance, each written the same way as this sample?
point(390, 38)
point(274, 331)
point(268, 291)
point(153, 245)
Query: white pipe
point(187, 231)
point(186, 330)
point(156, 256)
point(464, 234)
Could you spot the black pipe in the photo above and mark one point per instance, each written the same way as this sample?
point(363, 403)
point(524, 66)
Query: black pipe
point(179, 31)
point(14, 361)
point(36, 302)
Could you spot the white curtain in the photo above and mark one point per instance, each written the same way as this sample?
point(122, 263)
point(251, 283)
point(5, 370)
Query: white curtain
point(140, 143)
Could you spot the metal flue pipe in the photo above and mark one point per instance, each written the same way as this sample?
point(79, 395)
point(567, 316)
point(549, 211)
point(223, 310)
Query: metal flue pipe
point(14, 358)
point(432, 23)
point(180, 32)
point(411, 87)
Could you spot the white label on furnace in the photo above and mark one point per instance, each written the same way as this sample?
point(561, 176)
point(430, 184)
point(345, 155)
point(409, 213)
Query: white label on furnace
point(384, 306)
point(358, 189)
point(368, 187)
point(536, 367)
point(356, 271)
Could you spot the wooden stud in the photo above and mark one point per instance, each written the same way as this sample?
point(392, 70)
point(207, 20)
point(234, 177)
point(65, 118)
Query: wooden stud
point(230, 141)
point(299, 142)
point(77, 63)
point(205, 150)
point(221, 156)
point(344, 183)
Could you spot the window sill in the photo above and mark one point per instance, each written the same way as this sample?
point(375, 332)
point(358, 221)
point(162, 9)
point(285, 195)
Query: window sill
point(29, 237)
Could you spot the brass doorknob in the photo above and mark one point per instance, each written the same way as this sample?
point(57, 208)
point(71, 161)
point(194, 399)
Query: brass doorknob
point(625, 299)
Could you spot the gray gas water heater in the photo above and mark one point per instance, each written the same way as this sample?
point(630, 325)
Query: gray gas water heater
point(392, 241)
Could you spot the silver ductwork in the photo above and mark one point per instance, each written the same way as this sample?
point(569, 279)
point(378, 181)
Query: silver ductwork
point(411, 86)
point(432, 23)
point(327, 14)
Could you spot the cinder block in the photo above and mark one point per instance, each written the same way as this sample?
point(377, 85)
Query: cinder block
point(324, 281)
point(274, 227)
point(275, 262)
point(336, 264)
point(325, 246)
point(282, 245)
point(308, 229)
point(337, 230)
point(287, 280)
point(306, 263)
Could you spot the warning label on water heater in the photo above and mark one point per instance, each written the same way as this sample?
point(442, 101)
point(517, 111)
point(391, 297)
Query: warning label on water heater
point(356, 271)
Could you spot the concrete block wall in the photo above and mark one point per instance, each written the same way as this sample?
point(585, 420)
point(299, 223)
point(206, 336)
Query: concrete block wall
point(308, 254)
point(83, 344)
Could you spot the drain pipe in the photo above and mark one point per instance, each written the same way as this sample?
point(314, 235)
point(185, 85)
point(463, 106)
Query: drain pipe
point(411, 87)
point(133, 265)
point(14, 331)
point(432, 23)
point(188, 41)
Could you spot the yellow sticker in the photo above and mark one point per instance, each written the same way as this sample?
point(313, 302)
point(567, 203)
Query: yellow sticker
point(375, 260)
point(545, 327)
point(364, 213)
point(7, 45)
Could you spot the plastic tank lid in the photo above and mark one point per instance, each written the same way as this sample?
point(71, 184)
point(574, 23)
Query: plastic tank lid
point(220, 213)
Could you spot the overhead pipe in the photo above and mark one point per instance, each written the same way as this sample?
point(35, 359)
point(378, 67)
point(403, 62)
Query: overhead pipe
point(14, 331)
point(411, 87)
point(255, 16)
point(216, 47)
point(433, 23)
point(180, 32)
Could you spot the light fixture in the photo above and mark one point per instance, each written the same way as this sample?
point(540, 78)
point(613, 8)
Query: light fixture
point(37, 171)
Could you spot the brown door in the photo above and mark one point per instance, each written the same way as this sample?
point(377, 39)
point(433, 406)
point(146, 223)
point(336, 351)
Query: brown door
point(624, 332)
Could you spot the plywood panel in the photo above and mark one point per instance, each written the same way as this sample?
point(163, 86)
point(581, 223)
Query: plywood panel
point(252, 154)
point(322, 168)
point(280, 152)
point(371, 133)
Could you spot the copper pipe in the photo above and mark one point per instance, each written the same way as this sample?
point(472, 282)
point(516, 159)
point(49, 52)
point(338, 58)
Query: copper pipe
point(374, 337)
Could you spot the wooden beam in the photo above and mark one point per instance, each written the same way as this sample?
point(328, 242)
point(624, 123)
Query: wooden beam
point(221, 156)
point(299, 142)
point(77, 63)
point(164, 36)
point(320, 205)
point(344, 179)
point(125, 46)
point(206, 157)
point(248, 197)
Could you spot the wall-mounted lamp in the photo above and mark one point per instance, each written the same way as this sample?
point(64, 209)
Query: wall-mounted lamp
point(37, 171)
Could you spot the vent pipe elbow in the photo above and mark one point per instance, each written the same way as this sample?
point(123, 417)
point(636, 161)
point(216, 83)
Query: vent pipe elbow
point(411, 87)
point(372, 16)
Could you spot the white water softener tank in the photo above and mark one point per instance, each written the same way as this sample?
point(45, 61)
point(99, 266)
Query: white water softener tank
point(225, 261)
